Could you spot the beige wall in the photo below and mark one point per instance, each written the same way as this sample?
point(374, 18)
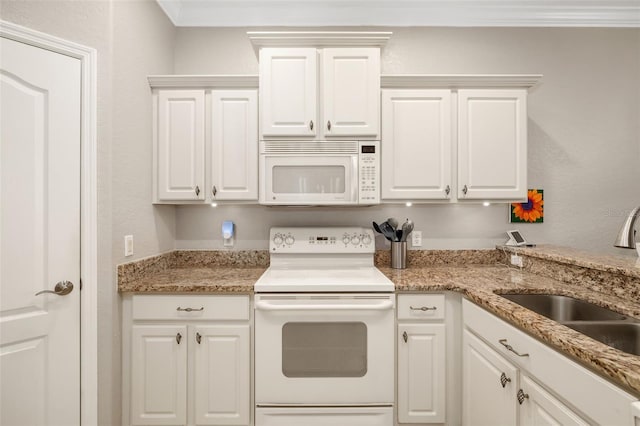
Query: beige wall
point(133, 39)
point(584, 135)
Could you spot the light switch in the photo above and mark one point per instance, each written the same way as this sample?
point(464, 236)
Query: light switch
point(128, 245)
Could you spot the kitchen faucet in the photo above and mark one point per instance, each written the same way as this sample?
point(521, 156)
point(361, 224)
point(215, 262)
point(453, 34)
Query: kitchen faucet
point(627, 235)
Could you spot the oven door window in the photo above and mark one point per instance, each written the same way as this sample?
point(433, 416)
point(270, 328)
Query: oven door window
point(324, 349)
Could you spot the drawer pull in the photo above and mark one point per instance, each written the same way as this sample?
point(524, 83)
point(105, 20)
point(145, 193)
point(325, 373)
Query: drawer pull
point(504, 380)
point(423, 308)
point(522, 396)
point(189, 309)
point(504, 343)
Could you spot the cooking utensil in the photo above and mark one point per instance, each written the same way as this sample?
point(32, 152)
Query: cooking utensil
point(393, 222)
point(376, 228)
point(407, 227)
point(388, 231)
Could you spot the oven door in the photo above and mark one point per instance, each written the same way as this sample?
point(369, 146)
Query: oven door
point(309, 179)
point(322, 349)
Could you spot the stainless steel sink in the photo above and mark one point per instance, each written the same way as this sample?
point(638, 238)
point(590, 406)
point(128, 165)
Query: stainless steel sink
point(624, 337)
point(604, 325)
point(563, 308)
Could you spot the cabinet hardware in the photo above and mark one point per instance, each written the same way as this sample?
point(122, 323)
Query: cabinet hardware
point(423, 308)
point(447, 190)
point(178, 338)
point(62, 288)
point(311, 125)
point(522, 396)
point(198, 338)
point(405, 336)
point(464, 190)
point(197, 190)
point(504, 380)
point(329, 125)
point(214, 190)
point(504, 343)
point(190, 309)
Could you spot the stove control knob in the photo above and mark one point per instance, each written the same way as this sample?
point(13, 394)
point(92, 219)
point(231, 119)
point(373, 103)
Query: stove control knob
point(277, 240)
point(346, 239)
point(289, 240)
point(366, 240)
point(355, 240)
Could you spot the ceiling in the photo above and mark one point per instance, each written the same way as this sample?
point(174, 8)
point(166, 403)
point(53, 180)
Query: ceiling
point(443, 13)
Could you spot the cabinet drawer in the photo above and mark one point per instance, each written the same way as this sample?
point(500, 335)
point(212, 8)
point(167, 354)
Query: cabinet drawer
point(201, 307)
point(420, 306)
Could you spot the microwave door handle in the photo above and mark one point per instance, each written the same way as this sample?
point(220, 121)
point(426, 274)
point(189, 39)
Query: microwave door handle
point(261, 305)
point(355, 180)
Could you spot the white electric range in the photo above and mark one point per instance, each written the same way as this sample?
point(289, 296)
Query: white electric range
point(324, 331)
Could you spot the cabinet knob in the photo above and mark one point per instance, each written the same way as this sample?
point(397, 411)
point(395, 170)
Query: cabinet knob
point(198, 338)
point(447, 190)
point(504, 380)
point(522, 396)
point(214, 190)
point(405, 337)
point(197, 190)
point(329, 125)
point(311, 125)
point(178, 338)
point(464, 190)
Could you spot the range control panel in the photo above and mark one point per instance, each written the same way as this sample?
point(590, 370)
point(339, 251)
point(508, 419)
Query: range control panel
point(321, 240)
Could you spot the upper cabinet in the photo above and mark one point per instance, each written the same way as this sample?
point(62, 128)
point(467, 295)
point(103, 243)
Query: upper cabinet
point(454, 138)
point(492, 144)
point(206, 139)
point(348, 80)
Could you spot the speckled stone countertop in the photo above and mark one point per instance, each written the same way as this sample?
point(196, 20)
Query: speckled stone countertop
point(479, 275)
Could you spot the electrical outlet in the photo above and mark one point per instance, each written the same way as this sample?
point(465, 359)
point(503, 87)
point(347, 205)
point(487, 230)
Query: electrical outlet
point(416, 239)
point(516, 260)
point(128, 245)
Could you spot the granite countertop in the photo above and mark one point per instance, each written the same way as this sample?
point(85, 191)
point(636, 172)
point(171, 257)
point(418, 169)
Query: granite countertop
point(477, 274)
point(481, 284)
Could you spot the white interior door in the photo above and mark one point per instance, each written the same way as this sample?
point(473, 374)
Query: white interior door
point(39, 236)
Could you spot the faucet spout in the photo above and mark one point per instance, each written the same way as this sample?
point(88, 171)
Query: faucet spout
point(627, 235)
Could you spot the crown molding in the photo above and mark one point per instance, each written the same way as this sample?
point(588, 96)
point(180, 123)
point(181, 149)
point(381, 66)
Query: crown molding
point(459, 81)
point(319, 38)
point(403, 13)
point(203, 81)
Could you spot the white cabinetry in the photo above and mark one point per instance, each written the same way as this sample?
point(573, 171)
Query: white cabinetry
point(454, 138)
point(180, 144)
point(492, 144)
point(206, 140)
point(416, 144)
point(421, 359)
point(186, 360)
point(544, 386)
point(348, 80)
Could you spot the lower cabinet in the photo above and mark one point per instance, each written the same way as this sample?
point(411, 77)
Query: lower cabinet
point(188, 366)
point(510, 378)
point(421, 372)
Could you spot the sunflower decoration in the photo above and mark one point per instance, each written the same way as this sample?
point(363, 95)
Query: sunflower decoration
point(531, 211)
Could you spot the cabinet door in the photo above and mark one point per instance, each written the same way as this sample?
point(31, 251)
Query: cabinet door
point(489, 385)
point(288, 91)
point(180, 145)
point(416, 144)
point(351, 92)
point(492, 144)
point(539, 408)
point(421, 373)
point(234, 145)
point(159, 375)
point(221, 371)
point(635, 414)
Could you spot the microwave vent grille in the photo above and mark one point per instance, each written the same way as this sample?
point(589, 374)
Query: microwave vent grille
point(310, 147)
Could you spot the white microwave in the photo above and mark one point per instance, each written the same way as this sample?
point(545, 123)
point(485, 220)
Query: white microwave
point(319, 172)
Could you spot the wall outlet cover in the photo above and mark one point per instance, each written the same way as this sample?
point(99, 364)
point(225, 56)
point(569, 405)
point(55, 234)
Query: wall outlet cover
point(416, 239)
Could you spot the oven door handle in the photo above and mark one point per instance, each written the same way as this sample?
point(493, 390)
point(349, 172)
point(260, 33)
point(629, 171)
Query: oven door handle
point(261, 305)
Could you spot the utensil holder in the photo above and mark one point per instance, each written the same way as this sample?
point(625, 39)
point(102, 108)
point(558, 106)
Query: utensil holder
point(399, 254)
